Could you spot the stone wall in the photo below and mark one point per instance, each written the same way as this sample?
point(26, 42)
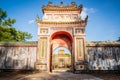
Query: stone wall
point(103, 55)
point(98, 55)
point(18, 55)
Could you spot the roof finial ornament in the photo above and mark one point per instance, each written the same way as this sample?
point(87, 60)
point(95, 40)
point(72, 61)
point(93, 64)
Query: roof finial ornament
point(37, 17)
point(86, 19)
point(49, 3)
point(61, 4)
point(73, 4)
point(81, 6)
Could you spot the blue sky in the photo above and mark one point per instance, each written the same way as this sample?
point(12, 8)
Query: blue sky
point(55, 51)
point(103, 23)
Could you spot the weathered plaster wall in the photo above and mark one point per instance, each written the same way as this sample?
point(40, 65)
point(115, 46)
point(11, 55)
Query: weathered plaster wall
point(99, 55)
point(17, 55)
point(103, 55)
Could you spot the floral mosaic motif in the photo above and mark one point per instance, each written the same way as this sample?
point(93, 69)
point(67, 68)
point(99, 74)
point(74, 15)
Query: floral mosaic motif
point(79, 49)
point(43, 30)
point(79, 31)
point(43, 47)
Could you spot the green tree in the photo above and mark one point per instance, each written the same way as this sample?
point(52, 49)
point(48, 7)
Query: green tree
point(7, 32)
point(4, 21)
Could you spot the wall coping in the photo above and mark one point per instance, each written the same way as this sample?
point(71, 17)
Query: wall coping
point(102, 43)
point(19, 44)
point(87, 44)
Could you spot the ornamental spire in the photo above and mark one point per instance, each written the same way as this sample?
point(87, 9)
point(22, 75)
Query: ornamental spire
point(37, 17)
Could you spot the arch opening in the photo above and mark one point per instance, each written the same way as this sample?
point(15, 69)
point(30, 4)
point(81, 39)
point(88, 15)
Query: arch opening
point(61, 51)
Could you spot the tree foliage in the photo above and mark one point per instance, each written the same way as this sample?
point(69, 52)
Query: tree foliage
point(7, 32)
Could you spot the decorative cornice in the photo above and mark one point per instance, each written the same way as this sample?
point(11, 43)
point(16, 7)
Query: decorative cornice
point(51, 22)
point(81, 23)
point(52, 8)
point(61, 7)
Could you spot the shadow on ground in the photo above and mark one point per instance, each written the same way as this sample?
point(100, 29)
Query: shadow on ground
point(35, 75)
point(14, 75)
point(59, 76)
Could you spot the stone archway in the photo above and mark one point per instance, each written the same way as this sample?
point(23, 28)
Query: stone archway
point(61, 26)
point(60, 38)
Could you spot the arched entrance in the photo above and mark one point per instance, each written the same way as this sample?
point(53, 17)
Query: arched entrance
point(62, 41)
point(61, 27)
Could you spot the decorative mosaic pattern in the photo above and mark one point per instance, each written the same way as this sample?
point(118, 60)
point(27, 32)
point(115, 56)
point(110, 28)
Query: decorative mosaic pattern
point(79, 49)
point(79, 31)
point(43, 47)
point(65, 17)
point(43, 31)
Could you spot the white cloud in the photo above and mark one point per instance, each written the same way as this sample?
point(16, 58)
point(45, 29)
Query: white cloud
point(86, 11)
point(31, 21)
point(89, 10)
point(83, 15)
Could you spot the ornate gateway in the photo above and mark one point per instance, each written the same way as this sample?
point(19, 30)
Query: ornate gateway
point(61, 26)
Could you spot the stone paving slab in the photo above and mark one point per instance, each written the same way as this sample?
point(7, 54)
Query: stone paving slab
point(59, 76)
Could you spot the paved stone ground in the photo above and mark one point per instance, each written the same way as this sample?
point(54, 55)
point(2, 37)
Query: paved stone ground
point(59, 76)
point(35, 75)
